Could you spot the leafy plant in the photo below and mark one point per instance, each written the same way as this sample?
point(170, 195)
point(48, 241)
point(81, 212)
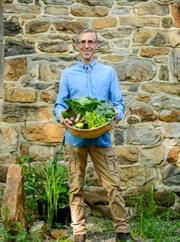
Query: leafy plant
point(46, 188)
point(56, 189)
point(87, 113)
point(13, 233)
point(149, 224)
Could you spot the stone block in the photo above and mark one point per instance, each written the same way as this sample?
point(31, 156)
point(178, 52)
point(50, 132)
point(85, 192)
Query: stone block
point(175, 10)
point(151, 8)
point(35, 26)
point(18, 113)
point(153, 51)
point(170, 88)
point(8, 144)
point(126, 154)
point(20, 95)
point(52, 46)
point(169, 115)
point(143, 134)
point(136, 70)
point(44, 133)
point(20, 47)
point(15, 68)
point(102, 23)
point(173, 155)
point(84, 11)
point(13, 199)
point(138, 22)
point(70, 26)
point(107, 3)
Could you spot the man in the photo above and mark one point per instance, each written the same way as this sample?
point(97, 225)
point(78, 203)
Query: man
point(91, 78)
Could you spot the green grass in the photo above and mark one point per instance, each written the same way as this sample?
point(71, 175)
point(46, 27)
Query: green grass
point(149, 223)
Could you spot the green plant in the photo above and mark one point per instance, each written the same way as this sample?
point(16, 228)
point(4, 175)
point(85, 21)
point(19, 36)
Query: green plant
point(46, 188)
point(150, 224)
point(56, 189)
point(87, 113)
point(13, 233)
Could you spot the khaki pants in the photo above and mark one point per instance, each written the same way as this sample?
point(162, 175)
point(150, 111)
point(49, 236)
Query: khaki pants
point(105, 166)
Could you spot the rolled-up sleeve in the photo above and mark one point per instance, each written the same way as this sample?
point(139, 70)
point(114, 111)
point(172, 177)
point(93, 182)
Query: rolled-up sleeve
point(63, 93)
point(116, 96)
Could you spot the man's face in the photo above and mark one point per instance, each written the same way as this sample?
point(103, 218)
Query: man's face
point(87, 46)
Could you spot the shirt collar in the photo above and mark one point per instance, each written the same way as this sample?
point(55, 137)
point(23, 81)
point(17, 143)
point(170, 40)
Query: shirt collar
point(90, 66)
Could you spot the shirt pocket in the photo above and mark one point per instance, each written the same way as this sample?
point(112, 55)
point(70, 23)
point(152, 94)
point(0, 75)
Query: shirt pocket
point(70, 161)
point(111, 161)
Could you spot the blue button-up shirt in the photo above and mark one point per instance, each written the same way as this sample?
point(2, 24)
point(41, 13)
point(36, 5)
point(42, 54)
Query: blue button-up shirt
point(93, 80)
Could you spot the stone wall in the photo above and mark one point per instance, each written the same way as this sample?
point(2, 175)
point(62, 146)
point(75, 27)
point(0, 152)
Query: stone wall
point(141, 39)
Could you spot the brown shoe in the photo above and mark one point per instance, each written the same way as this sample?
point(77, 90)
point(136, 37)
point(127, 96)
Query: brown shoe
point(79, 238)
point(122, 237)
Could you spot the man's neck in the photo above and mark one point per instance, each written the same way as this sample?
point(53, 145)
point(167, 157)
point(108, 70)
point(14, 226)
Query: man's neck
point(87, 62)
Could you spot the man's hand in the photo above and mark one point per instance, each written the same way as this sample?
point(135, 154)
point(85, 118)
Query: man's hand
point(65, 121)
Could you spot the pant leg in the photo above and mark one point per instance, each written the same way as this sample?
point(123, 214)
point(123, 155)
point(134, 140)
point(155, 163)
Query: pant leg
point(104, 161)
point(76, 160)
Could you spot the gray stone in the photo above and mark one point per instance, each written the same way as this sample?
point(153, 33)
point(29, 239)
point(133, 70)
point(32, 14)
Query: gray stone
point(52, 47)
point(139, 112)
point(136, 177)
point(38, 153)
point(70, 26)
point(22, 9)
point(118, 136)
point(18, 113)
point(152, 156)
point(165, 101)
point(166, 87)
point(118, 33)
point(107, 3)
point(121, 43)
point(48, 72)
point(25, 1)
point(38, 231)
point(121, 11)
point(165, 1)
point(175, 64)
point(167, 22)
point(58, 2)
point(174, 38)
point(126, 155)
point(172, 130)
point(12, 28)
point(35, 26)
point(13, 48)
point(136, 70)
point(164, 73)
point(8, 143)
point(171, 176)
point(143, 134)
point(151, 8)
point(28, 81)
point(160, 39)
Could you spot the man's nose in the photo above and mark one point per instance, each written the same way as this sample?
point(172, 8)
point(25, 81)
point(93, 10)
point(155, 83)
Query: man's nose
point(86, 44)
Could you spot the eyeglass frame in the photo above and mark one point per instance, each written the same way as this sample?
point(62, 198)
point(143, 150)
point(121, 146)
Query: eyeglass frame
point(84, 42)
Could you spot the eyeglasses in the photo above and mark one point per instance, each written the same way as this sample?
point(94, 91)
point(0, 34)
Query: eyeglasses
point(88, 42)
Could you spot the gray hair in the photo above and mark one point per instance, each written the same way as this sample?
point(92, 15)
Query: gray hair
point(83, 32)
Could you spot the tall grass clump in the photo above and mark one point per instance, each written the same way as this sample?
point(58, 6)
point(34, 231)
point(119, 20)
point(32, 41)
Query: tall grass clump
point(153, 223)
point(56, 189)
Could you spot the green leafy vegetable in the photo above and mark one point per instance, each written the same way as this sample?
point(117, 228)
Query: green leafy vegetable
point(89, 112)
